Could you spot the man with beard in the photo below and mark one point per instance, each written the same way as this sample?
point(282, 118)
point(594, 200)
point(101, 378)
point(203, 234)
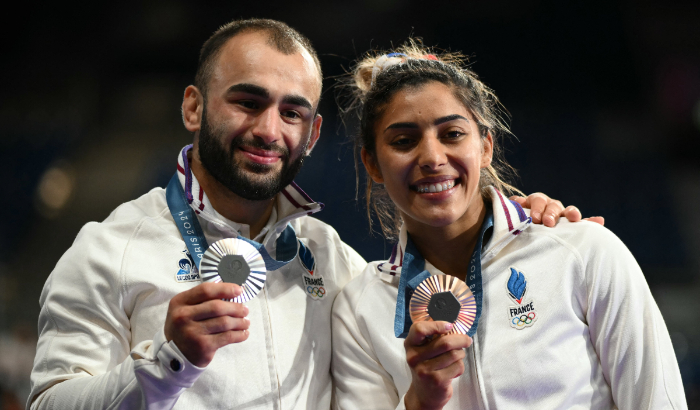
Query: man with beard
point(126, 321)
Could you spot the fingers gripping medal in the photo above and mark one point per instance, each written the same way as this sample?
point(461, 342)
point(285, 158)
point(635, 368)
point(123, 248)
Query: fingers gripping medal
point(447, 298)
point(232, 260)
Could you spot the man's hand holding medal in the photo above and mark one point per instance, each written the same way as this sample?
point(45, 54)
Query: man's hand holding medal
point(200, 321)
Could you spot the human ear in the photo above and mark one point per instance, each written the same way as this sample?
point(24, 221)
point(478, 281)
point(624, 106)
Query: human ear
point(486, 150)
point(192, 108)
point(315, 133)
point(370, 162)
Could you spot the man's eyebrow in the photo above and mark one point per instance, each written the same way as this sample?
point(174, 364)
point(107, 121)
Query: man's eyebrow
point(249, 89)
point(297, 100)
point(448, 118)
point(262, 92)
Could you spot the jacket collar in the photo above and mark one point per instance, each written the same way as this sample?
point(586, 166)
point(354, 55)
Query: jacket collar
point(291, 203)
point(509, 220)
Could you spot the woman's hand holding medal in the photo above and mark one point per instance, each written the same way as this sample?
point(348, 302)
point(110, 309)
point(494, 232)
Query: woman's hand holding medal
point(200, 322)
point(434, 362)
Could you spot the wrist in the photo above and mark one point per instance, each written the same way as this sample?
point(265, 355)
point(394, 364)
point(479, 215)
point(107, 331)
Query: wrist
point(412, 402)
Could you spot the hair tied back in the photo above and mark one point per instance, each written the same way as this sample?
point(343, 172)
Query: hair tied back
point(384, 62)
point(378, 76)
point(388, 60)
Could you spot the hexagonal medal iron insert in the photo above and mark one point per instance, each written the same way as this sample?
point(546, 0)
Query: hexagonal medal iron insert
point(444, 306)
point(233, 269)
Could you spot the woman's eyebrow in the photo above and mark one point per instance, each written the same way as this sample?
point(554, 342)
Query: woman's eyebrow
point(448, 118)
point(402, 125)
point(438, 121)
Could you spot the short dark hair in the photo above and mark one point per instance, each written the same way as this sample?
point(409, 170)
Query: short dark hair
point(280, 36)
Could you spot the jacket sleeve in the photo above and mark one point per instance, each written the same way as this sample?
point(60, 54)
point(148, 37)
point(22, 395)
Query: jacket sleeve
point(360, 381)
point(84, 355)
point(356, 263)
point(628, 331)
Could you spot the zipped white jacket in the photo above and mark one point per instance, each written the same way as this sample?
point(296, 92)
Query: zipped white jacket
point(103, 308)
point(586, 333)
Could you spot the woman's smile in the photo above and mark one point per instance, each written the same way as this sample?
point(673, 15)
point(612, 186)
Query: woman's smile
point(429, 154)
point(434, 185)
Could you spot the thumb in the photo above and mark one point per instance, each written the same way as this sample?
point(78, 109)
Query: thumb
point(422, 332)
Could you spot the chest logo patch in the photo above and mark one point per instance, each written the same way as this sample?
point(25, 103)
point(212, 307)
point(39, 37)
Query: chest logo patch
point(523, 314)
point(188, 270)
point(313, 283)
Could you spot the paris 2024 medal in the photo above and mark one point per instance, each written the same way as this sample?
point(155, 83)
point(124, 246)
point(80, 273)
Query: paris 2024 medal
point(444, 298)
point(232, 260)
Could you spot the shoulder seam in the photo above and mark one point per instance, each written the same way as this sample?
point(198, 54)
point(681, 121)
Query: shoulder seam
point(122, 273)
point(577, 256)
point(48, 348)
point(355, 315)
point(661, 363)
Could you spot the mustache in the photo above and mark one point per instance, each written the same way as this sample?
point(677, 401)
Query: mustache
point(259, 144)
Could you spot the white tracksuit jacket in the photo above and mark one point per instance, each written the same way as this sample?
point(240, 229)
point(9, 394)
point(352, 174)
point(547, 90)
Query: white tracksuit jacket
point(597, 340)
point(101, 343)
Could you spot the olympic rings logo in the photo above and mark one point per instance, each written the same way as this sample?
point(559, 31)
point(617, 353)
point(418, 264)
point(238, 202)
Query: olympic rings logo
point(523, 320)
point(316, 291)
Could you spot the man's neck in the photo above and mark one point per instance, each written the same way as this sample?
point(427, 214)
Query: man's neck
point(229, 205)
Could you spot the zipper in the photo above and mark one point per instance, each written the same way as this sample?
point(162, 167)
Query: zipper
point(481, 392)
point(274, 372)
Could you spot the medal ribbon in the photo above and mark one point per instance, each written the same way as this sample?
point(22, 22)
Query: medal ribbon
point(413, 273)
point(188, 225)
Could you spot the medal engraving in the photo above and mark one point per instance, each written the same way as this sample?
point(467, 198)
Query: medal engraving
point(444, 306)
point(444, 297)
point(235, 261)
point(233, 269)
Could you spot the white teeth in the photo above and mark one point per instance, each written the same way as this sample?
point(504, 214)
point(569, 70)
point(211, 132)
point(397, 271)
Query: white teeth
point(425, 188)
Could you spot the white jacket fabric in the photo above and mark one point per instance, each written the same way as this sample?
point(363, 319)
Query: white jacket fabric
point(103, 308)
point(596, 340)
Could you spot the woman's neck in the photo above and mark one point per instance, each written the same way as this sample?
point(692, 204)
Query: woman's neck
point(449, 248)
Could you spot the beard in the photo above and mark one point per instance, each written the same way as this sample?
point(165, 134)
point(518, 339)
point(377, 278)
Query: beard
point(256, 182)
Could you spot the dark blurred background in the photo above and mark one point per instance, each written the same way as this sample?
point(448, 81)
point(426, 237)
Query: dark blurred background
point(604, 97)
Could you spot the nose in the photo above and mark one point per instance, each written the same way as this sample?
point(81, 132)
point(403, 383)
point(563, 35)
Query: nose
point(267, 125)
point(431, 153)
